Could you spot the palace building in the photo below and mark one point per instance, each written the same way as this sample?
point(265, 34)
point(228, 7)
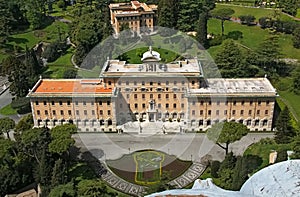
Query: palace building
point(135, 14)
point(153, 92)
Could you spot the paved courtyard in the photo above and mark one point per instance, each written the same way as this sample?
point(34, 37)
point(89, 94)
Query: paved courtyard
point(189, 146)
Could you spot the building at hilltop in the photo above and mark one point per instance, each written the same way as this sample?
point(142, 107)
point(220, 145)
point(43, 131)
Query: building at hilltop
point(153, 92)
point(135, 14)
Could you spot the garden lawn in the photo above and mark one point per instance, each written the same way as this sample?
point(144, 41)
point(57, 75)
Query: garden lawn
point(264, 148)
point(292, 101)
point(251, 39)
point(298, 13)
point(256, 12)
point(64, 60)
point(56, 72)
point(8, 110)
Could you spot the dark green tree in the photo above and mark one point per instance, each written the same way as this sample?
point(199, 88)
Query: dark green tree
point(6, 20)
point(296, 38)
point(284, 129)
point(247, 19)
point(162, 185)
point(167, 13)
point(289, 6)
point(188, 14)
point(296, 82)
point(66, 190)
point(226, 171)
point(70, 74)
point(296, 147)
point(90, 188)
point(6, 124)
point(222, 14)
point(201, 29)
point(58, 173)
point(268, 55)
point(226, 133)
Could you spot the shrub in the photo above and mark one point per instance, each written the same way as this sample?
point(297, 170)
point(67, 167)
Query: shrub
point(215, 166)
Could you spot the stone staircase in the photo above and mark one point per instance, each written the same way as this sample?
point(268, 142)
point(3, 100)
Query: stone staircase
point(143, 128)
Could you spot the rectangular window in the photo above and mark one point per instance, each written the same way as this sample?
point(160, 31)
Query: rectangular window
point(167, 105)
point(108, 112)
point(167, 82)
point(251, 102)
point(68, 102)
point(84, 102)
point(127, 96)
point(159, 96)
point(53, 103)
point(182, 105)
point(167, 96)
point(127, 83)
point(77, 112)
point(234, 102)
point(259, 102)
point(144, 105)
point(209, 112)
point(174, 96)
point(258, 112)
point(225, 112)
point(159, 105)
point(267, 102)
point(46, 112)
point(36, 103)
point(101, 112)
point(45, 103)
point(85, 112)
point(209, 102)
point(217, 112)
point(174, 105)
point(242, 112)
point(135, 105)
point(243, 102)
point(266, 112)
point(201, 112)
point(108, 102)
point(93, 112)
point(143, 83)
point(60, 103)
point(92, 103)
point(218, 102)
point(201, 102)
point(233, 112)
point(109, 83)
point(250, 112)
point(151, 83)
point(135, 96)
point(193, 112)
point(100, 102)
point(53, 112)
point(143, 96)
point(69, 112)
point(61, 112)
point(194, 103)
point(38, 112)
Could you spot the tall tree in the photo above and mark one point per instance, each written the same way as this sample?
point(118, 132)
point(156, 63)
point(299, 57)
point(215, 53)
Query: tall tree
point(222, 14)
point(284, 129)
point(167, 13)
point(268, 54)
point(6, 19)
point(188, 14)
point(92, 188)
point(6, 124)
point(201, 29)
point(296, 38)
point(226, 133)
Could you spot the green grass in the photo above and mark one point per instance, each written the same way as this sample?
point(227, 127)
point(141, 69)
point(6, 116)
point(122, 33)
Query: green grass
point(256, 12)
point(263, 148)
point(64, 60)
point(298, 13)
point(251, 39)
point(56, 72)
point(8, 110)
point(292, 101)
point(134, 56)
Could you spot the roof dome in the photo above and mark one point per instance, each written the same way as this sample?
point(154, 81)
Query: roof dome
point(151, 55)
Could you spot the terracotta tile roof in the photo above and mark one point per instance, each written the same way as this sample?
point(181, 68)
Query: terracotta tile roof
point(71, 86)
